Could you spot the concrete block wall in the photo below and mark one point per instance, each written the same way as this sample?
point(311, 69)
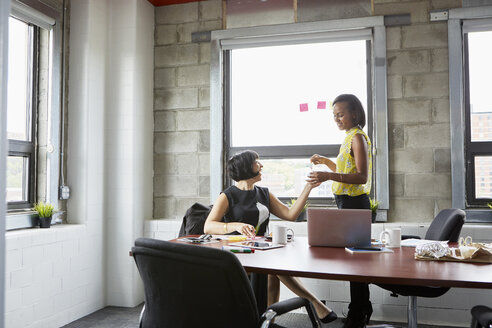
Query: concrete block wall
point(53, 276)
point(181, 107)
point(451, 309)
point(418, 111)
point(418, 106)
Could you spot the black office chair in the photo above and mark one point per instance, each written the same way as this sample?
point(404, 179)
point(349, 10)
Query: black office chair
point(445, 226)
point(196, 286)
point(481, 317)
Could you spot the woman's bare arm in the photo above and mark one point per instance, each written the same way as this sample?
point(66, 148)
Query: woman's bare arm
point(360, 154)
point(282, 211)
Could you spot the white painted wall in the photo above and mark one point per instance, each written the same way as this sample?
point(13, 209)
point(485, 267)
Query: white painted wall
point(53, 276)
point(451, 309)
point(4, 14)
point(110, 133)
point(58, 275)
point(129, 136)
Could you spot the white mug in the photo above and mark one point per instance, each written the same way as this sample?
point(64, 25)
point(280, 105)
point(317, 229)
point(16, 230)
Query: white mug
point(279, 235)
point(391, 237)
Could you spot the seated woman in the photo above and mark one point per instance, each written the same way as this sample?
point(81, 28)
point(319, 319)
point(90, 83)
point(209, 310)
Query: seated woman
point(246, 210)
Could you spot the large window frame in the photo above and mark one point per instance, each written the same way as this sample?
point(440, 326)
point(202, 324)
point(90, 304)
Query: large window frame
point(26, 149)
point(38, 14)
point(223, 41)
point(460, 22)
point(473, 149)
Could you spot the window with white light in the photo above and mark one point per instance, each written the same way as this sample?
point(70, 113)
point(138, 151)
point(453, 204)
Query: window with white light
point(21, 113)
point(280, 105)
point(478, 118)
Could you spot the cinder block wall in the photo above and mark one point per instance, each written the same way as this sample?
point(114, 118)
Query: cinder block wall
point(53, 276)
point(418, 105)
point(418, 111)
point(181, 107)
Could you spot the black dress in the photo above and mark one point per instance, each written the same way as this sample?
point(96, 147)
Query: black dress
point(249, 206)
point(360, 307)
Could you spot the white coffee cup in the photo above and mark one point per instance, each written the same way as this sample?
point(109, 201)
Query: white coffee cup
point(391, 237)
point(279, 234)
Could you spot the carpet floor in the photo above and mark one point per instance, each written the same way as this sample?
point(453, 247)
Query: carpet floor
point(122, 317)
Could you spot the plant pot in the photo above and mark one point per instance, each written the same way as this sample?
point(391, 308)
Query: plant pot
point(373, 218)
point(45, 222)
point(301, 217)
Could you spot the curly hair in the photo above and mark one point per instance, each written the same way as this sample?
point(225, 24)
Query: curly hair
point(240, 165)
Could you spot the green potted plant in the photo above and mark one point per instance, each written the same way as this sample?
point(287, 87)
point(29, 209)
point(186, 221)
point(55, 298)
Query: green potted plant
point(302, 216)
point(45, 213)
point(374, 208)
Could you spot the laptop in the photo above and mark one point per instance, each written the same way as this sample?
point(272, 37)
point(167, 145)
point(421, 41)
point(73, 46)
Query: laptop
point(339, 227)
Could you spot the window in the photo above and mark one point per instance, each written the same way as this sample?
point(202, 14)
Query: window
point(284, 92)
point(33, 109)
point(478, 106)
point(279, 81)
point(469, 31)
point(21, 113)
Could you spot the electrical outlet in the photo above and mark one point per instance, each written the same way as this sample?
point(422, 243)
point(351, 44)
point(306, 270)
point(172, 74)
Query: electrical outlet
point(64, 192)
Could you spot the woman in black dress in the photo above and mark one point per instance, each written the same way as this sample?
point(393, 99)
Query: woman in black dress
point(246, 210)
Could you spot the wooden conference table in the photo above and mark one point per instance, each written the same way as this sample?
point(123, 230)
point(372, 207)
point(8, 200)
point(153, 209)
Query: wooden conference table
point(298, 259)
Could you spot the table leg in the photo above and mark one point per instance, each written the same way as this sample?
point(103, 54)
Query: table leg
point(259, 283)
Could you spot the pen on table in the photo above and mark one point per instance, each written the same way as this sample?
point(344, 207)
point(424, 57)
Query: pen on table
point(238, 249)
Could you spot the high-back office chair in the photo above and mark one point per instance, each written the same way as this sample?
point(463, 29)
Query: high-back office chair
point(481, 317)
point(195, 286)
point(445, 226)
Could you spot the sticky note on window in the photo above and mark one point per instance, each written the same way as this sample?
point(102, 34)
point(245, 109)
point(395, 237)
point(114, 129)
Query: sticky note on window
point(303, 107)
point(321, 104)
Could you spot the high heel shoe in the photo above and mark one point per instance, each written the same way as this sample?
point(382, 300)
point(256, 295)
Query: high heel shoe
point(332, 316)
point(367, 312)
point(358, 319)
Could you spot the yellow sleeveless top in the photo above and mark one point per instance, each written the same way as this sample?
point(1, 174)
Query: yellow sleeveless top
point(346, 164)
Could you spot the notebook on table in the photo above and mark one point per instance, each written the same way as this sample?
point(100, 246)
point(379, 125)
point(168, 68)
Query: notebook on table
point(339, 227)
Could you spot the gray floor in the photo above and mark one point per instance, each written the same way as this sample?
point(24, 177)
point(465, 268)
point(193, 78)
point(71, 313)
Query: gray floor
point(119, 317)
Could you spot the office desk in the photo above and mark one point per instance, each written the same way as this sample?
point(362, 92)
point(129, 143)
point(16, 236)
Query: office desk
point(399, 267)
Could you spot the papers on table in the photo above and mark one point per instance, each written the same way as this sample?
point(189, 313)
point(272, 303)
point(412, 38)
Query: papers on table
point(412, 242)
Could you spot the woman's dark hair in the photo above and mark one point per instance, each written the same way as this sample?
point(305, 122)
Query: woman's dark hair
point(240, 166)
point(355, 107)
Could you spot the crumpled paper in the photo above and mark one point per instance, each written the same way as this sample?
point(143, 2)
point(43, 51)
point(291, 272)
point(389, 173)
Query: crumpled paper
point(467, 251)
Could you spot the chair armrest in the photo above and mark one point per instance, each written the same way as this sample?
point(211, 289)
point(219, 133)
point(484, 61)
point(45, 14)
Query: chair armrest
point(403, 237)
point(482, 314)
point(288, 305)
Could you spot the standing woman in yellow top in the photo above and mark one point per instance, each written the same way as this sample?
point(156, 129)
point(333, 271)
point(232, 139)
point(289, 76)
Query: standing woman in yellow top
point(351, 185)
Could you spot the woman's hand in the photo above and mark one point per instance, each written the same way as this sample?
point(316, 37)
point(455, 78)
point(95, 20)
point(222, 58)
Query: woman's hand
point(316, 178)
point(246, 229)
point(317, 159)
point(311, 185)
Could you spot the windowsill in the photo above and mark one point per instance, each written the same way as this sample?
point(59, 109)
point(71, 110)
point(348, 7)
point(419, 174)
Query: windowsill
point(20, 220)
point(478, 216)
point(25, 219)
point(36, 230)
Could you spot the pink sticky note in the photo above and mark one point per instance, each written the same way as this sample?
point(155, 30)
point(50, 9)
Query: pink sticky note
point(303, 107)
point(321, 104)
